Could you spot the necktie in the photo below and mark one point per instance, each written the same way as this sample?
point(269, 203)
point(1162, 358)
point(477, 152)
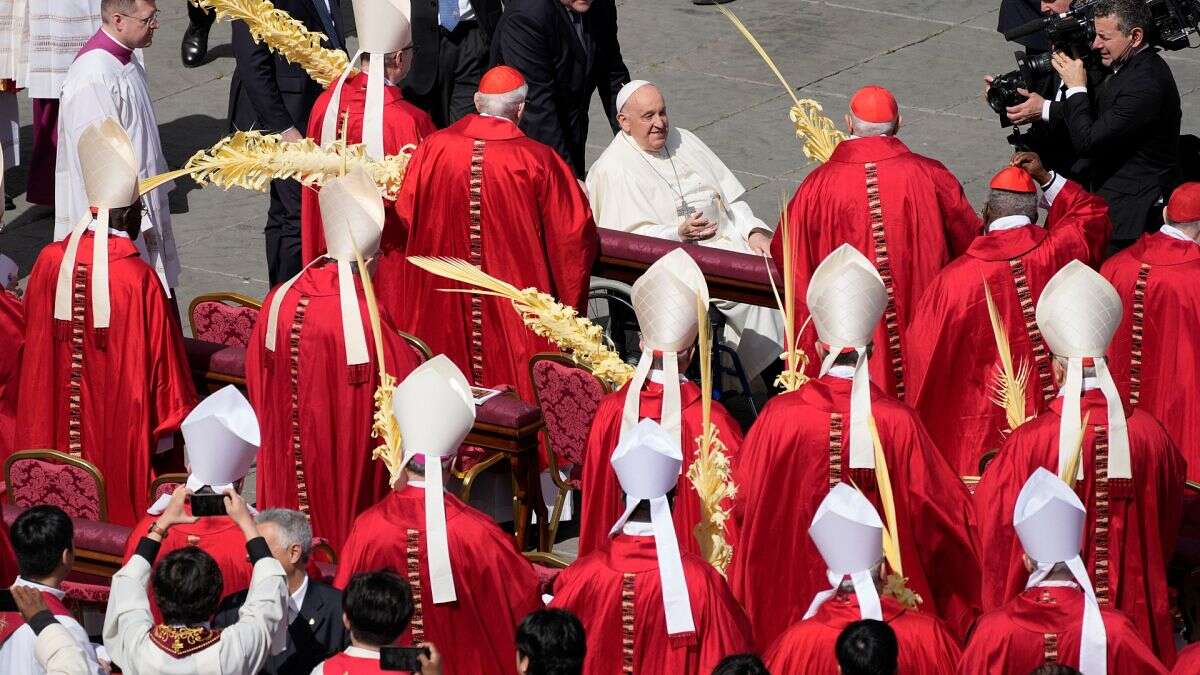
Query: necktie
point(327, 22)
point(448, 14)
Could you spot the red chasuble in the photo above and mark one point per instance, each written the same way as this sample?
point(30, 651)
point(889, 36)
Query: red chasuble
point(403, 124)
point(1188, 662)
point(314, 411)
point(603, 500)
point(1159, 282)
point(799, 449)
point(1043, 624)
point(481, 191)
point(926, 648)
point(617, 594)
point(344, 664)
point(495, 585)
point(952, 359)
point(905, 212)
point(1126, 552)
point(107, 394)
point(12, 339)
point(217, 536)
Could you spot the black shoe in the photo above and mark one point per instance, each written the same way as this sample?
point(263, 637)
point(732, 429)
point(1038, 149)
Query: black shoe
point(194, 47)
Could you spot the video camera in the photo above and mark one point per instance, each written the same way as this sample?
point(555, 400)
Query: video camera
point(1173, 23)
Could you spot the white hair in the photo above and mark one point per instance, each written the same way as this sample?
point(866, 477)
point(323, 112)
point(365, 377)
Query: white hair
point(862, 128)
point(294, 529)
point(1185, 225)
point(502, 105)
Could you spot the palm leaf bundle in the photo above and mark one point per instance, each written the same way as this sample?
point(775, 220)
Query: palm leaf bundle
point(1008, 384)
point(895, 583)
point(1070, 472)
point(792, 377)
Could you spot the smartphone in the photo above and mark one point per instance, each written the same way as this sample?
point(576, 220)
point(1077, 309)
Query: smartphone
point(7, 604)
point(207, 504)
point(402, 659)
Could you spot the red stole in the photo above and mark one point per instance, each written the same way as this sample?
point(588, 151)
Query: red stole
point(344, 664)
point(183, 641)
point(10, 622)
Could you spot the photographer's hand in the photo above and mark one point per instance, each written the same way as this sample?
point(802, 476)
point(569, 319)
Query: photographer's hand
point(1027, 111)
point(1070, 69)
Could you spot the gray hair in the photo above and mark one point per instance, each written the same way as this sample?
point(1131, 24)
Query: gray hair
point(502, 105)
point(294, 529)
point(862, 128)
point(1129, 14)
point(1001, 203)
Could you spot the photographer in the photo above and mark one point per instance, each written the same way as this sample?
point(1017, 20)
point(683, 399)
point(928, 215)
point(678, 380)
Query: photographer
point(1130, 131)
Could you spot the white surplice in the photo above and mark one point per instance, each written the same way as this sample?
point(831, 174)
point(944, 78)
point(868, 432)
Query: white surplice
point(14, 65)
point(635, 191)
point(57, 29)
point(19, 652)
point(98, 86)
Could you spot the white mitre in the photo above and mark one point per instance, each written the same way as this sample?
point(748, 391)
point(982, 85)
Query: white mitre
point(849, 534)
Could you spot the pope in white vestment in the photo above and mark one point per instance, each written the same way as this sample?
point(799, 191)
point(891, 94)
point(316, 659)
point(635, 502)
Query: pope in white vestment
point(682, 192)
point(107, 81)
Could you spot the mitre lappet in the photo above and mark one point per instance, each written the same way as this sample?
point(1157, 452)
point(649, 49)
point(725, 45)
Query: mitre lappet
point(221, 439)
point(647, 462)
point(352, 215)
point(849, 534)
point(665, 299)
point(846, 298)
point(1049, 520)
point(383, 27)
point(434, 411)
point(110, 178)
point(1078, 313)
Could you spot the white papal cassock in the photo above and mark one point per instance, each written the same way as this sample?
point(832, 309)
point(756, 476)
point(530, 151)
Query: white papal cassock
point(632, 190)
point(98, 85)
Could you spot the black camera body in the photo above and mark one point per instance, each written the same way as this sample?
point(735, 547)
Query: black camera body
point(1173, 23)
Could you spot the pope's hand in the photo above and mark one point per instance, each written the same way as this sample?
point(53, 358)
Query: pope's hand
point(759, 243)
point(696, 228)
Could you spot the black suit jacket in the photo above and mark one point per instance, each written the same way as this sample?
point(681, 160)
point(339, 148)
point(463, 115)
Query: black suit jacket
point(426, 35)
point(1014, 13)
point(316, 634)
point(1129, 130)
point(267, 92)
point(536, 37)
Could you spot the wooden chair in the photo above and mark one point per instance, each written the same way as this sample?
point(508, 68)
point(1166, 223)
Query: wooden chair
point(224, 318)
point(50, 477)
point(568, 394)
point(166, 484)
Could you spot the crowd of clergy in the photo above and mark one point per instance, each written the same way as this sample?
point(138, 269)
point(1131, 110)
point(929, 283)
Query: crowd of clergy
point(987, 461)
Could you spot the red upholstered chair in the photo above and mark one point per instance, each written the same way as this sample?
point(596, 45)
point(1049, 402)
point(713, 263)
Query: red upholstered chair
point(51, 477)
point(166, 484)
point(224, 318)
point(568, 394)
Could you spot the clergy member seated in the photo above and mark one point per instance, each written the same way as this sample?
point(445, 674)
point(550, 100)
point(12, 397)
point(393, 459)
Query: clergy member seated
point(187, 585)
point(55, 647)
point(1130, 475)
point(904, 211)
point(867, 647)
point(366, 107)
point(105, 370)
point(466, 575)
point(807, 442)
point(312, 369)
point(953, 363)
point(550, 642)
point(314, 609)
point(221, 439)
point(662, 181)
point(43, 538)
point(665, 301)
point(1057, 617)
point(377, 609)
point(668, 610)
point(848, 532)
point(1158, 279)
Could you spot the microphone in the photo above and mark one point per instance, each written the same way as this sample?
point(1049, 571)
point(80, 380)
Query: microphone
point(1027, 28)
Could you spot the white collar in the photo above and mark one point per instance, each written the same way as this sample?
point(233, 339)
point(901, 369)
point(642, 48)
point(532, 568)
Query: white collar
point(657, 377)
point(114, 39)
point(297, 599)
point(638, 529)
point(112, 232)
point(1175, 233)
point(1089, 383)
point(497, 117)
point(1008, 223)
point(855, 137)
point(842, 372)
point(1056, 584)
point(362, 652)
point(21, 581)
point(419, 484)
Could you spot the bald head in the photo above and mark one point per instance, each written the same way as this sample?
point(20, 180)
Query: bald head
point(644, 117)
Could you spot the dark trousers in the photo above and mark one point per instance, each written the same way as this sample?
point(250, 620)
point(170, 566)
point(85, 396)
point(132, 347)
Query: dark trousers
point(282, 233)
point(200, 18)
point(463, 57)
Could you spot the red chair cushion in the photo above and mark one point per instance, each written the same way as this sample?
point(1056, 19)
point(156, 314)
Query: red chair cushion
point(36, 481)
point(468, 457)
point(568, 397)
point(206, 356)
point(229, 325)
point(92, 594)
point(163, 489)
point(546, 576)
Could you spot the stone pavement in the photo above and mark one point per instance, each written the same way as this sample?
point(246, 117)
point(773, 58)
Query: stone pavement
point(932, 53)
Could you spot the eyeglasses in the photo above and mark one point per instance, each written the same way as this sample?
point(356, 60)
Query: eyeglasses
point(153, 18)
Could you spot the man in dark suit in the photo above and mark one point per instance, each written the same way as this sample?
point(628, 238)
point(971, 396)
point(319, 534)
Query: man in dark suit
point(1128, 128)
point(315, 627)
point(566, 49)
point(451, 49)
point(270, 94)
point(1017, 13)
